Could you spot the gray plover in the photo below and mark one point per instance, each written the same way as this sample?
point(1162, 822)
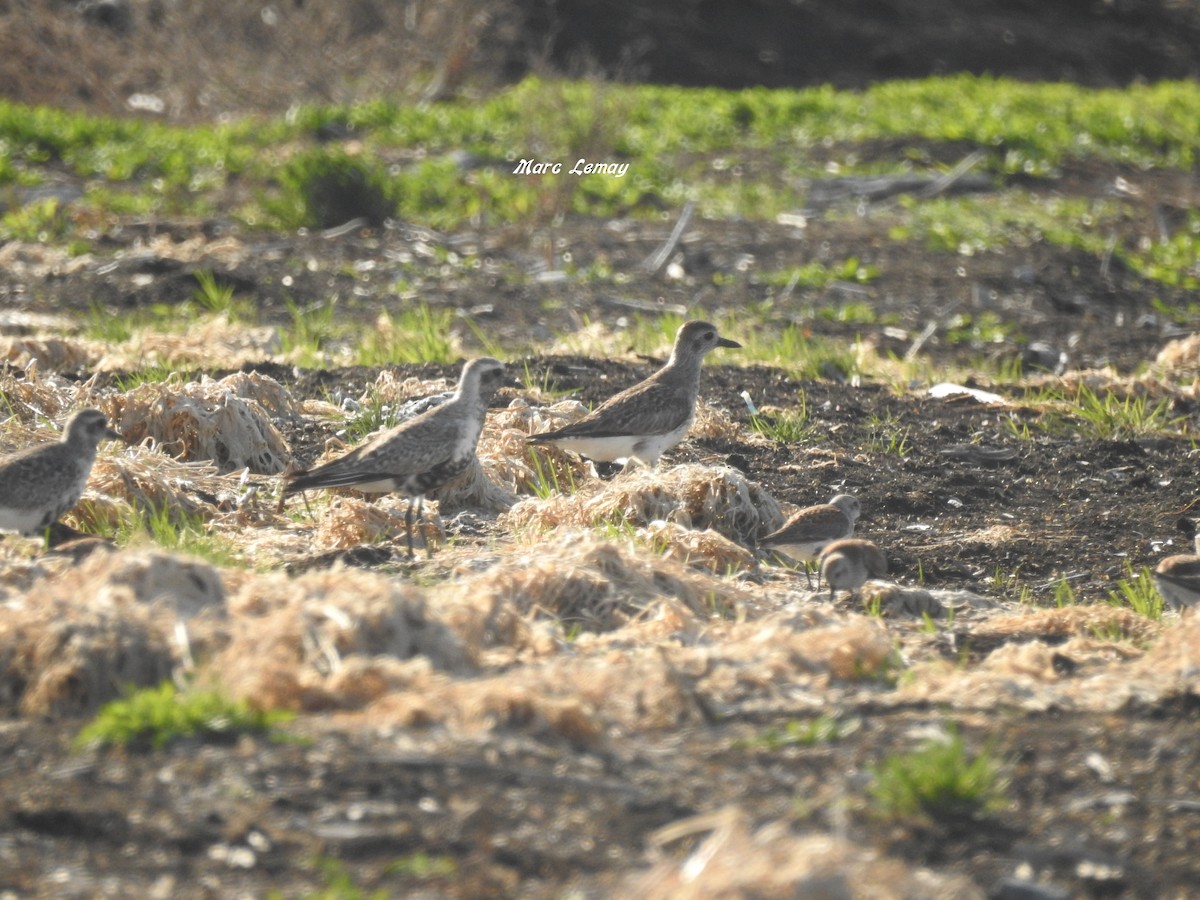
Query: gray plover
point(39, 484)
point(848, 563)
point(642, 422)
point(1178, 578)
point(418, 455)
point(810, 529)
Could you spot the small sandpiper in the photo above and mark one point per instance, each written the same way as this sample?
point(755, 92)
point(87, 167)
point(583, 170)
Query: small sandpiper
point(1178, 578)
point(644, 421)
point(418, 455)
point(848, 563)
point(809, 530)
point(39, 484)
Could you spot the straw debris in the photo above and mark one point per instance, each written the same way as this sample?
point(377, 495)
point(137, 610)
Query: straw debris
point(692, 496)
point(228, 422)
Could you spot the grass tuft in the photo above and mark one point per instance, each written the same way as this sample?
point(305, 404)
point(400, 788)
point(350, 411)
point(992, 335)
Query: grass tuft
point(939, 780)
point(152, 717)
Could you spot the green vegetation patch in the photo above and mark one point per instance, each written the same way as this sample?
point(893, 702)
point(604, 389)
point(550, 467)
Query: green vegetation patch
point(940, 780)
point(152, 717)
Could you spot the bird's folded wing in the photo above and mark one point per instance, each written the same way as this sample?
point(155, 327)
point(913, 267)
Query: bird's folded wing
point(653, 407)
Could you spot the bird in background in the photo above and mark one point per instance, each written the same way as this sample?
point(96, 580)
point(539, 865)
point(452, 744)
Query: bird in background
point(39, 484)
point(847, 564)
point(809, 530)
point(420, 454)
point(1178, 578)
point(644, 421)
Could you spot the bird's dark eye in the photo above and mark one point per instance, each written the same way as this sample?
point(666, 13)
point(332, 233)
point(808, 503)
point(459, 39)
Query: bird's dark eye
point(709, 335)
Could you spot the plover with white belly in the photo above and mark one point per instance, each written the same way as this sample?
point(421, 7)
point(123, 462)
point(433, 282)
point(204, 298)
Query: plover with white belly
point(809, 530)
point(644, 421)
point(418, 455)
point(39, 484)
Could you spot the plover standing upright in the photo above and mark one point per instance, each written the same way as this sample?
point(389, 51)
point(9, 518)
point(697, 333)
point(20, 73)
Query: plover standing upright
point(848, 563)
point(1178, 578)
point(39, 484)
point(644, 421)
point(810, 529)
point(418, 455)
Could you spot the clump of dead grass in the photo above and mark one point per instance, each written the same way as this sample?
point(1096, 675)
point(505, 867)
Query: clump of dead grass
point(228, 422)
point(595, 585)
point(692, 496)
point(732, 858)
point(52, 353)
point(218, 342)
point(78, 637)
point(296, 642)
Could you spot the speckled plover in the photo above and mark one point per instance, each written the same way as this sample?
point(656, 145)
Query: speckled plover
point(1178, 578)
point(810, 529)
point(39, 484)
point(847, 564)
point(418, 455)
point(642, 422)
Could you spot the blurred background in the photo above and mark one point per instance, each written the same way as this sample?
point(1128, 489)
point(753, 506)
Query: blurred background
point(205, 59)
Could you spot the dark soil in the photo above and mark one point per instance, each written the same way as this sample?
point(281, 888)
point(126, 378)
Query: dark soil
point(531, 817)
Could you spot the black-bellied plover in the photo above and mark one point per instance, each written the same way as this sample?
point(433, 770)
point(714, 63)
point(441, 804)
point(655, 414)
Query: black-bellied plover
point(644, 421)
point(847, 564)
point(1178, 578)
point(39, 484)
point(418, 455)
point(811, 529)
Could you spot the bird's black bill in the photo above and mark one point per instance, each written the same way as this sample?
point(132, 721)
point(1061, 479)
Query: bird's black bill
point(726, 342)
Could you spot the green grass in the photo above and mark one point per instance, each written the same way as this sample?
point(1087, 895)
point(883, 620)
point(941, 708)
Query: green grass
point(1106, 416)
point(886, 435)
point(824, 729)
point(176, 531)
point(791, 426)
point(417, 334)
point(1136, 591)
point(680, 143)
point(939, 780)
point(152, 717)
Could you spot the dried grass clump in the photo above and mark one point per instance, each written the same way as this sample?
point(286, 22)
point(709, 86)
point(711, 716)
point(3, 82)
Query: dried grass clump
point(692, 495)
point(50, 353)
point(146, 478)
point(210, 343)
point(226, 421)
point(350, 522)
point(292, 639)
point(1070, 620)
point(735, 860)
point(533, 705)
point(31, 398)
point(701, 549)
point(595, 584)
point(1179, 359)
point(509, 458)
point(75, 640)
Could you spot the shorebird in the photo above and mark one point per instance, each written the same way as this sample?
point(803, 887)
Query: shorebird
point(809, 530)
point(848, 563)
point(39, 484)
point(1178, 578)
point(418, 455)
point(644, 421)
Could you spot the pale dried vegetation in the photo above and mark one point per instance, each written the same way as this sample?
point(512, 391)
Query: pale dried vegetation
point(606, 607)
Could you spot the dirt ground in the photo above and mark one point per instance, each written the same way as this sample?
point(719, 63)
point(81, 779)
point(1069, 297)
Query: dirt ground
point(1101, 803)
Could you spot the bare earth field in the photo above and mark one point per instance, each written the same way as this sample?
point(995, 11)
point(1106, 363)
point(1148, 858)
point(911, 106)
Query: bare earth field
point(593, 697)
point(552, 706)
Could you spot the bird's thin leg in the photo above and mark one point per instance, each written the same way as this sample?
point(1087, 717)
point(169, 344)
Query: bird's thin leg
point(408, 517)
point(808, 575)
point(421, 523)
